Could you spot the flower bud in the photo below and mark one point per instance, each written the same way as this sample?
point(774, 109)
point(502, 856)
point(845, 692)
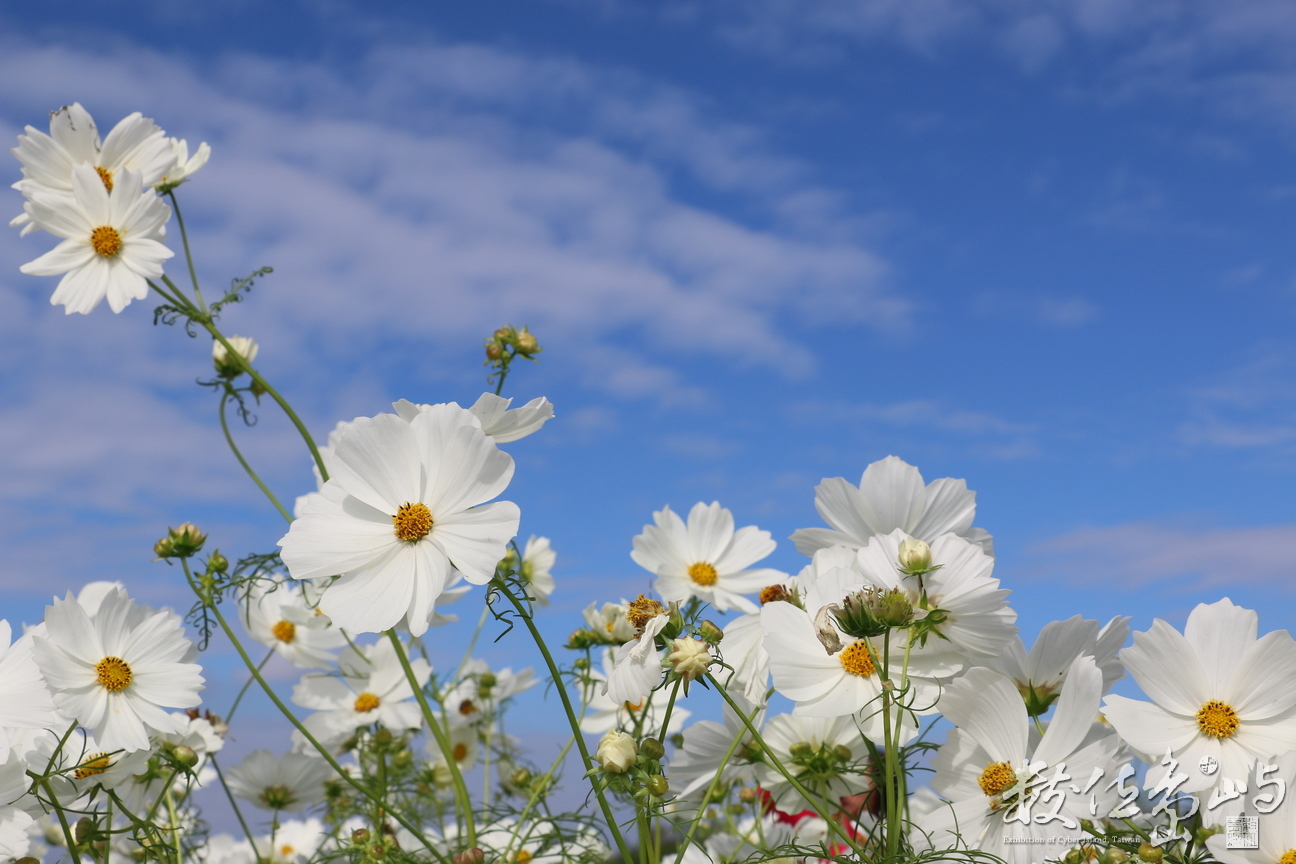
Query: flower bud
point(494, 351)
point(217, 563)
point(1150, 853)
point(915, 556)
point(652, 748)
point(441, 776)
point(616, 752)
point(521, 777)
point(1114, 856)
point(28, 861)
point(689, 658)
point(81, 831)
point(749, 794)
point(186, 756)
point(658, 785)
point(186, 540)
point(230, 367)
point(403, 759)
point(842, 752)
point(470, 856)
point(857, 615)
point(526, 343)
point(711, 632)
point(164, 548)
point(894, 608)
point(800, 750)
point(360, 835)
point(503, 334)
point(382, 737)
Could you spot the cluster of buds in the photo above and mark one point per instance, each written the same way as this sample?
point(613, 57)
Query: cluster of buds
point(231, 367)
point(627, 761)
point(182, 542)
point(872, 611)
point(507, 343)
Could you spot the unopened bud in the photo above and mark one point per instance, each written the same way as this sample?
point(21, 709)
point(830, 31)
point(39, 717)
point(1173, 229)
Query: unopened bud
point(403, 759)
point(486, 681)
point(1115, 856)
point(257, 389)
point(185, 755)
point(441, 775)
point(915, 556)
point(217, 563)
point(503, 333)
point(894, 608)
point(360, 835)
point(800, 750)
point(230, 367)
point(28, 860)
point(526, 343)
point(658, 785)
point(81, 831)
point(1075, 856)
point(652, 748)
point(494, 351)
point(186, 540)
point(164, 548)
point(711, 632)
point(382, 737)
point(749, 794)
point(521, 777)
point(470, 856)
point(1150, 853)
point(689, 658)
point(616, 752)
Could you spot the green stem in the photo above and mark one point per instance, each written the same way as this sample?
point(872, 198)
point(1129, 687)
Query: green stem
point(184, 238)
point(472, 643)
point(234, 804)
point(815, 801)
point(175, 826)
point(713, 786)
point(229, 439)
point(297, 724)
point(67, 830)
point(670, 706)
point(246, 685)
point(556, 677)
point(462, 797)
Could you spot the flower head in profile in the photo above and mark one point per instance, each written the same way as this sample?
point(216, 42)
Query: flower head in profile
point(24, 700)
point(117, 673)
point(111, 241)
point(403, 506)
point(185, 166)
point(706, 558)
point(1217, 691)
point(536, 568)
point(1040, 673)
point(230, 367)
point(891, 495)
point(498, 420)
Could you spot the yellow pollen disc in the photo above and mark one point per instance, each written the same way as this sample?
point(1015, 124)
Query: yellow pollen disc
point(856, 660)
point(284, 631)
point(521, 857)
point(642, 610)
point(773, 594)
point(106, 176)
point(105, 241)
point(96, 764)
point(412, 521)
point(703, 574)
point(997, 778)
point(366, 702)
point(460, 752)
point(467, 707)
point(286, 850)
point(1288, 857)
point(113, 673)
point(1217, 719)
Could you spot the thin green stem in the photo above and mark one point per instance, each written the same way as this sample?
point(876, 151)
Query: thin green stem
point(815, 801)
point(184, 239)
point(670, 706)
point(238, 454)
point(472, 643)
point(297, 724)
point(462, 798)
point(67, 830)
point(246, 685)
point(713, 786)
point(238, 814)
point(556, 676)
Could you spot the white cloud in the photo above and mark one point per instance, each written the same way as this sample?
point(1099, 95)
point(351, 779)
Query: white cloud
point(1146, 553)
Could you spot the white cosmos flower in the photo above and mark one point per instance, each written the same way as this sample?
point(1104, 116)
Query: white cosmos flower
point(25, 701)
point(497, 420)
point(1039, 674)
point(1277, 827)
point(293, 842)
point(706, 559)
point(291, 782)
point(978, 621)
point(609, 621)
point(185, 166)
point(278, 617)
point(705, 745)
point(110, 242)
point(829, 759)
point(372, 688)
point(481, 691)
point(404, 504)
point(846, 682)
point(50, 161)
point(537, 563)
point(637, 666)
point(988, 759)
point(891, 496)
point(1216, 691)
point(14, 821)
point(115, 674)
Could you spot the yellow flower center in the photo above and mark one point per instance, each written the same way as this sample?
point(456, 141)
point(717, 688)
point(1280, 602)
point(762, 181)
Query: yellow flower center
point(1217, 719)
point(997, 778)
point(285, 850)
point(703, 574)
point(412, 521)
point(106, 241)
point(96, 764)
point(856, 660)
point(642, 610)
point(106, 176)
point(284, 631)
point(460, 752)
point(466, 707)
point(634, 706)
point(113, 673)
point(522, 856)
point(1288, 857)
point(366, 702)
point(773, 594)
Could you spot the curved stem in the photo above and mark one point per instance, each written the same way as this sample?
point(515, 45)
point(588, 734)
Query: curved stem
point(244, 689)
point(462, 799)
point(297, 724)
point(67, 830)
point(184, 238)
point(229, 439)
point(556, 676)
point(814, 800)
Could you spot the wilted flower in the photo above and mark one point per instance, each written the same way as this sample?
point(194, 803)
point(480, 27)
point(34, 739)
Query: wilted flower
point(616, 752)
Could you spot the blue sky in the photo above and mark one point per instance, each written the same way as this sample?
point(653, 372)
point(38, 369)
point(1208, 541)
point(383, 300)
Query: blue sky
point(1046, 247)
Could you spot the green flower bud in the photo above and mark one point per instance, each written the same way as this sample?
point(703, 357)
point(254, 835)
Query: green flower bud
point(711, 633)
point(217, 563)
point(652, 748)
point(186, 540)
point(914, 556)
point(1150, 853)
point(185, 756)
point(81, 831)
point(658, 785)
point(164, 548)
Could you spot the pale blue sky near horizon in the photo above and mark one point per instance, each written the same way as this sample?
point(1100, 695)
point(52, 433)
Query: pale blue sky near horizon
point(1043, 247)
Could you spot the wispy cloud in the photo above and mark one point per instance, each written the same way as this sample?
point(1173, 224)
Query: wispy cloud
point(1251, 406)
